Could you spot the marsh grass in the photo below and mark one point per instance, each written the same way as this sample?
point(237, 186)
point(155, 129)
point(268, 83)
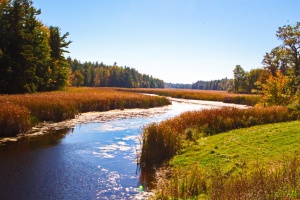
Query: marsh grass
point(259, 162)
point(258, 182)
point(209, 95)
point(63, 105)
point(14, 119)
point(161, 141)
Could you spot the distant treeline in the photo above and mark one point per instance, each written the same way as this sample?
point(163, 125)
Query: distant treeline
point(178, 85)
point(100, 75)
point(223, 84)
point(32, 57)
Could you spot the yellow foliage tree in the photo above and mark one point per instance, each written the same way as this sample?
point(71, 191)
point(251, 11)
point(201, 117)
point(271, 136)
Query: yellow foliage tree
point(275, 90)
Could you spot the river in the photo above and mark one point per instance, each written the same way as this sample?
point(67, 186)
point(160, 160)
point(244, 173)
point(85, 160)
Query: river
point(90, 157)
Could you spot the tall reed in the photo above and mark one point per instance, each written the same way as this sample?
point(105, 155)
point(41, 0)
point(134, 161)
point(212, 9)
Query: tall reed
point(209, 95)
point(14, 119)
point(161, 141)
point(62, 105)
point(258, 182)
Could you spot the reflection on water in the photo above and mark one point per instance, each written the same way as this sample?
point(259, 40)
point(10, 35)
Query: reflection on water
point(95, 160)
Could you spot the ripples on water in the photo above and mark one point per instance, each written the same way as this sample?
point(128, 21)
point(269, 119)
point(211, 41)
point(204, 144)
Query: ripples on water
point(91, 157)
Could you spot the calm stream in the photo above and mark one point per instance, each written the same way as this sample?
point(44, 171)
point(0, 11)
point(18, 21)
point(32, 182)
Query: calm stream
point(91, 157)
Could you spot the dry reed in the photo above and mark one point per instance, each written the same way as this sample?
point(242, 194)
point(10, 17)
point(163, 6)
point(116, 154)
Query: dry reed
point(209, 95)
point(62, 105)
point(259, 182)
point(14, 119)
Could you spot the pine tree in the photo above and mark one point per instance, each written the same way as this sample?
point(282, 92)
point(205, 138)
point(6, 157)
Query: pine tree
point(24, 48)
point(59, 65)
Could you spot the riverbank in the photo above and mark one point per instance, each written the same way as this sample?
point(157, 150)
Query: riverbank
point(100, 117)
point(164, 140)
point(260, 162)
point(256, 159)
point(19, 113)
point(207, 95)
point(95, 157)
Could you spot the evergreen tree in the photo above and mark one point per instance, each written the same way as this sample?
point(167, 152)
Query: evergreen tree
point(31, 55)
point(21, 45)
point(239, 79)
point(59, 65)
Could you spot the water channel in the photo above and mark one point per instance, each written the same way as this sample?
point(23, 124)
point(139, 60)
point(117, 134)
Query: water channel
point(90, 157)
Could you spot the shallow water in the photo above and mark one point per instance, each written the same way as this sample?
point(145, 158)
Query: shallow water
point(90, 157)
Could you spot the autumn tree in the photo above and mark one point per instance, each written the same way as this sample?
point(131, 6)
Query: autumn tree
point(274, 90)
point(286, 58)
point(77, 78)
point(95, 74)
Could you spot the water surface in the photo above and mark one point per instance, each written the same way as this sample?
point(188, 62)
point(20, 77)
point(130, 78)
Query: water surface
point(90, 157)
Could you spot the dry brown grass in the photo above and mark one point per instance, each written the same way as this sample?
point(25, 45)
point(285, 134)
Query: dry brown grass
point(62, 105)
point(14, 119)
point(209, 95)
point(259, 182)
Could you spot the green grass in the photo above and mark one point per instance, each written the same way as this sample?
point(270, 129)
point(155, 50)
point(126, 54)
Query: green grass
point(266, 144)
point(260, 162)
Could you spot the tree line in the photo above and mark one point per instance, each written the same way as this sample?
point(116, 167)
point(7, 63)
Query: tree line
point(32, 57)
point(278, 81)
point(223, 84)
point(101, 75)
point(31, 54)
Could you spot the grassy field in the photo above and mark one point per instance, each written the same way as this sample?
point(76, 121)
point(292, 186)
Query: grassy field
point(266, 144)
point(260, 162)
point(209, 95)
point(161, 141)
point(18, 113)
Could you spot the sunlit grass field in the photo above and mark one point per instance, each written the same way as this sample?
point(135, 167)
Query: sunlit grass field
point(257, 159)
point(266, 144)
point(18, 113)
point(260, 162)
point(161, 141)
point(209, 95)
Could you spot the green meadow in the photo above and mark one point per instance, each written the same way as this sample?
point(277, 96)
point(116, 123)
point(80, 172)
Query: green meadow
point(259, 162)
point(265, 144)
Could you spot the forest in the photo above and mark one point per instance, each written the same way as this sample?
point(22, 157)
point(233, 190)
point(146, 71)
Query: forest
point(31, 54)
point(32, 57)
point(101, 75)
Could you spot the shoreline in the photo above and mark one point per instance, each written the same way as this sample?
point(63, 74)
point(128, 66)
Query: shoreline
point(99, 117)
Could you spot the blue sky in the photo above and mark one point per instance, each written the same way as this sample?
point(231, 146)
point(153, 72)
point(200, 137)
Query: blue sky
point(179, 41)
